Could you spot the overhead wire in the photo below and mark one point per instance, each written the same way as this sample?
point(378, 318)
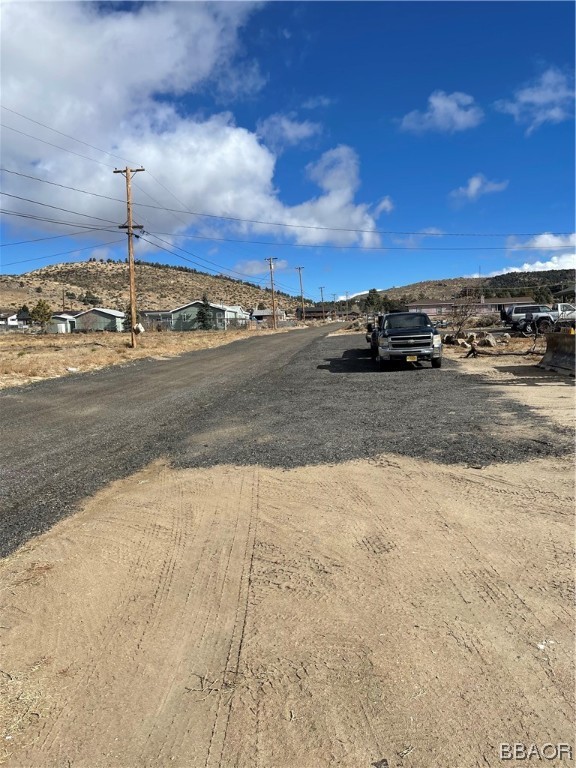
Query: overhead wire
point(253, 279)
point(57, 208)
point(62, 253)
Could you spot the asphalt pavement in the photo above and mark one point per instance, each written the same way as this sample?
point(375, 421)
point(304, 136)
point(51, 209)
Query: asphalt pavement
point(285, 400)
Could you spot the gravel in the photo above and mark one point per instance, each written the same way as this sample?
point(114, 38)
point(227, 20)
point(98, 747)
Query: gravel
point(279, 401)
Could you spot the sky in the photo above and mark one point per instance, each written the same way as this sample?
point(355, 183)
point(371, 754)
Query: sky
point(372, 144)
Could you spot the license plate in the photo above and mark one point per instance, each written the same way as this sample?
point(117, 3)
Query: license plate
point(411, 358)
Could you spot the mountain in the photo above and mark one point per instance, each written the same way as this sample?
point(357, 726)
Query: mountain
point(97, 283)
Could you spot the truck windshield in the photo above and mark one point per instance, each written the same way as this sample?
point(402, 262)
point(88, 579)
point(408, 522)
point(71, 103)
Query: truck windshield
point(412, 320)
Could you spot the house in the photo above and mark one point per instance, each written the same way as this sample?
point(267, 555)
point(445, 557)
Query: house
point(266, 314)
point(9, 319)
point(313, 313)
point(15, 320)
point(185, 318)
point(62, 322)
point(99, 319)
point(481, 306)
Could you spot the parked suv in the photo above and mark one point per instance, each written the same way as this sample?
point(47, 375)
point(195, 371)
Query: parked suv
point(516, 313)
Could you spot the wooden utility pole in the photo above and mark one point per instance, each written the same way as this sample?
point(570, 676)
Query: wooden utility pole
point(346, 305)
point(271, 260)
point(130, 227)
point(63, 303)
point(301, 293)
point(322, 298)
point(335, 307)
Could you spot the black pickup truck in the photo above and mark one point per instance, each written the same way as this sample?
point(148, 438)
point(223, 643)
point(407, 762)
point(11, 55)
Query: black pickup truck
point(405, 337)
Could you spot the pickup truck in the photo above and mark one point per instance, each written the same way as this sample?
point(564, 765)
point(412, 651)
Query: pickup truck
point(406, 337)
point(531, 317)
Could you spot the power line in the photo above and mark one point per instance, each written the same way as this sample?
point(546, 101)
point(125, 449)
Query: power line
point(202, 266)
point(47, 220)
point(62, 253)
point(62, 186)
point(85, 143)
point(57, 208)
point(56, 146)
point(40, 239)
point(305, 226)
point(370, 247)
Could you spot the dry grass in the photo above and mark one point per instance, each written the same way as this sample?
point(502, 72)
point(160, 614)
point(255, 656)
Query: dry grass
point(27, 358)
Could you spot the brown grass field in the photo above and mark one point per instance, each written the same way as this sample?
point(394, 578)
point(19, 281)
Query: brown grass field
point(25, 358)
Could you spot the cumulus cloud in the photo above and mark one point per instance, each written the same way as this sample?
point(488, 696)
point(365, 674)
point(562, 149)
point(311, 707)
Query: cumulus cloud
point(446, 113)
point(558, 252)
point(282, 130)
point(67, 77)
point(562, 261)
point(477, 186)
point(548, 98)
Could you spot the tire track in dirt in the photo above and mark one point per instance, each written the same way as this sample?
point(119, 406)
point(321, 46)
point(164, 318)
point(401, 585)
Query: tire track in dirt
point(340, 615)
point(168, 621)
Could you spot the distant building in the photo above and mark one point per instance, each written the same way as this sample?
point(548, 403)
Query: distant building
point(267, 314)
point(185, 318)
point(99, 319)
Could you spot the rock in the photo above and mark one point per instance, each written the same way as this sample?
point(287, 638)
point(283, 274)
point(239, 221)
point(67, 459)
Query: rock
point(471, 337)
point(464, 344)
point(487, 341)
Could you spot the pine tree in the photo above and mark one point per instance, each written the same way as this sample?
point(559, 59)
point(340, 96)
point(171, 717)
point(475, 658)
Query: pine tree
point(41, 313)
point(204, 315)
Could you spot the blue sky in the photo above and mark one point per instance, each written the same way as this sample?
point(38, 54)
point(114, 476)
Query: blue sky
point(373, 144)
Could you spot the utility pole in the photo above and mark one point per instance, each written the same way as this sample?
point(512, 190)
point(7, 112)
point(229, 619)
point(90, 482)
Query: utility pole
point(271, 260)
point(322, 298)
point(130, 227)
point(63, 304)
point(301, 292)
point(346, 305)
point(335, 307)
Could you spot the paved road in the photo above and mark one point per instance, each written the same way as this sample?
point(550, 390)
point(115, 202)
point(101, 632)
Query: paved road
point(281, 401)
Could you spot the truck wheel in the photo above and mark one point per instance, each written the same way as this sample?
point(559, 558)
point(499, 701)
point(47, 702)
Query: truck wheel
point(528, 329)
point(544, 326)
point(437, 362)
point(382, 364)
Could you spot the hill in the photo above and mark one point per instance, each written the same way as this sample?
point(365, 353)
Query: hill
point(76, 286)
point(97, 283)
point(508, 284)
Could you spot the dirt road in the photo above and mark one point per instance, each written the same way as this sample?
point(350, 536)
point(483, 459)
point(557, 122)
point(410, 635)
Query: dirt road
point(391, 610)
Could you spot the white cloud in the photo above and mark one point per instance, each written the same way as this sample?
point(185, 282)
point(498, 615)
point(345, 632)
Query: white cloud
point(415, 240)
point(385, 205)
point(546, 99)
point(551, 247)
point(317, 102)
point(546, 241)
point(280, 131)
point(561, 261)
point(67, 77)
point(259, 267)
point(446, 113)
point(477, 186)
